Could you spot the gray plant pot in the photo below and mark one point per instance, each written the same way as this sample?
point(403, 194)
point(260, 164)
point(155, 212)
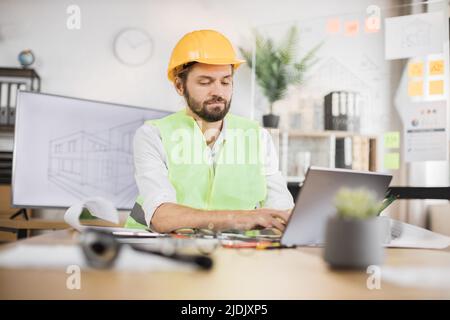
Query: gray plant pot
point(271, 120)
point(354, 243)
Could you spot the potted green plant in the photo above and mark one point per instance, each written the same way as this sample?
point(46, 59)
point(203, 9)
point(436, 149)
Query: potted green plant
point(276, 68)
point(354, 236)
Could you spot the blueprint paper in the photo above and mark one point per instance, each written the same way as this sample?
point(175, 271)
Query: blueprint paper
point(414, 35)
point(97, 206)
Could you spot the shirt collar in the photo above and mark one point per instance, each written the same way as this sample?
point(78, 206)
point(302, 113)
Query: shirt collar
point(222, 135)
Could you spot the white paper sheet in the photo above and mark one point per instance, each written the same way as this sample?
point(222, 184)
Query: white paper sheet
point(61, 256)
point(404, 235)
point(425, 131)
point(417, 277)
point(414, 35)
point(103, 209)
point(97, 206)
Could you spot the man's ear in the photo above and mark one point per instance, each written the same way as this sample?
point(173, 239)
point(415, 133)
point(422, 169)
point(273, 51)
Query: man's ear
point(178, 84)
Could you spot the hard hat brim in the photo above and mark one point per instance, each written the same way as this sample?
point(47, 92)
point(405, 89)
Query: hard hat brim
point(215, 61)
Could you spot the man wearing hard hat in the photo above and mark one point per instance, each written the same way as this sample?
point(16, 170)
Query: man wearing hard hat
point(203, 167)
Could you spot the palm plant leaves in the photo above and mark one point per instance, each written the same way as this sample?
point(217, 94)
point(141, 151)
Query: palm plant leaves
point(275, 67)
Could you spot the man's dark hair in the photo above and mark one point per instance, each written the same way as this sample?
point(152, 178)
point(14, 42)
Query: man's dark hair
point(183, 71)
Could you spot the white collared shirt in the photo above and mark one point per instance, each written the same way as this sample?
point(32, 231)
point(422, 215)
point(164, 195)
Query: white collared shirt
point(152, 178)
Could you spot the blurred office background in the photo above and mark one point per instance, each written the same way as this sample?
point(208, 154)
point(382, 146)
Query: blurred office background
point(94, 61)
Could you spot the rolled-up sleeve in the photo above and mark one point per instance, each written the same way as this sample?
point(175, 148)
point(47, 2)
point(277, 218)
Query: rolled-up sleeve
point(151, 173)
point(278, 196)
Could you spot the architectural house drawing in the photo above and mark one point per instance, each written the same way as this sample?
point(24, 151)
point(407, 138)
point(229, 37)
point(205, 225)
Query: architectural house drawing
point(416, 34)
point(87, 163)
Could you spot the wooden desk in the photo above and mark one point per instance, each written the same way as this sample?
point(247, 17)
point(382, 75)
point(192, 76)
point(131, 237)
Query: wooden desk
point(33, 224)
point(22, 226)
point(271, 274)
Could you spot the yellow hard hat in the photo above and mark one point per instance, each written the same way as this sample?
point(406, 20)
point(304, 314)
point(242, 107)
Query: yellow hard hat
point(205, 46)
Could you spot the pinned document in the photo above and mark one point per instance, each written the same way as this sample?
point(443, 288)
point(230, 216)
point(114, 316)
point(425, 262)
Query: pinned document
point(425, 133)
point(414, 35)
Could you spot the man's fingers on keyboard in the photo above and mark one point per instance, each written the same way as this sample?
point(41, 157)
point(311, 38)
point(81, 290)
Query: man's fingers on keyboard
point(277, 224)
point(282, 215)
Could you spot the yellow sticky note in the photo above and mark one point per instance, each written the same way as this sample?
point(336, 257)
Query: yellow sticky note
point(436, 67)
point(392, 139)
point(436, 87)
point(415, 88)
point(392, 160)
point(415, 69)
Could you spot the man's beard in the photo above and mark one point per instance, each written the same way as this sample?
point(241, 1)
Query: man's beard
point(201, 108)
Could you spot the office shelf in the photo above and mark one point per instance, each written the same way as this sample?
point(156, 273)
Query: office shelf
point(364, 149)
point(7, 128)
point(31, 74)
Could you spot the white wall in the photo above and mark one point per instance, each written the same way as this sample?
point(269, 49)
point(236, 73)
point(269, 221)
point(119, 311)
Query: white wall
point(81, 62)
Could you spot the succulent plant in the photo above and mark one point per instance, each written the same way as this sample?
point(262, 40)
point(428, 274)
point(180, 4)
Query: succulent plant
point(357, 203)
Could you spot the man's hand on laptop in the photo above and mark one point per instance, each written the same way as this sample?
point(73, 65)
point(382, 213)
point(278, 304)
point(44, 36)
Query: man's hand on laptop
point(265, 218)
point(171, 216)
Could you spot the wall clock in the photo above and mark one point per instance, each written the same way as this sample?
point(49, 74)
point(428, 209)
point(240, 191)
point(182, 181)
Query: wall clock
point(133, 46)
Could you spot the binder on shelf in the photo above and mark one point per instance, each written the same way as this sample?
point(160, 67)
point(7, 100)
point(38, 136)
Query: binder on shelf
point(3, 103)
point(361, 153)
point(5, 167)
point(12, 80)
point(354, 120)
point(15, 87)
point(332, 111)
point(351, 111)
point(342, 111)
point(343, 153)
point(342, 118)
point(12, 102)
point(327, 104)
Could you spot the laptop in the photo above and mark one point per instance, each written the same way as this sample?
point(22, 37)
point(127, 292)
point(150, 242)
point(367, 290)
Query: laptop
point(315, 201)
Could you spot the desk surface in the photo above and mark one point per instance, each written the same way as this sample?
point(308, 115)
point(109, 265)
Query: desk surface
point(246, 274)
point(46, 224)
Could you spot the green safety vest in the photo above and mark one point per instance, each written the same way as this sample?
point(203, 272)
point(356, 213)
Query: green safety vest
point(238, 181)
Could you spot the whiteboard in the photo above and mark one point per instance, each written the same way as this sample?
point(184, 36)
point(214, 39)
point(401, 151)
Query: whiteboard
point(68, 149)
